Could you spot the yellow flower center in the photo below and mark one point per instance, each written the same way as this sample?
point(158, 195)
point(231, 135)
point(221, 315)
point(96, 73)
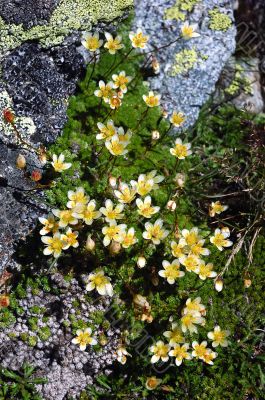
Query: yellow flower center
point(100, 280)
point(139, 40)
point(181, 150)
point(172, 271)
point(161, 351)
point(84, 338)
point(219, 240)
point(219, 336)
point(92, 43)
point(200, 350)
point(187, 31)
point(177, 119)
point(191, 238)
point(56, 244)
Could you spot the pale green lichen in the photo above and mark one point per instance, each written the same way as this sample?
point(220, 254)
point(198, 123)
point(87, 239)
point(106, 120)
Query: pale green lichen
point(69, 16)
point(240, 82)
point(176, 11)
point(219, 21)
point(185, 60)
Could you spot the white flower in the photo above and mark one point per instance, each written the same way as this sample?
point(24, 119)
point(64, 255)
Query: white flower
point(181, 150)
point(171, 271)
point(219, 337)
point(100, 282)
point(83, 338)
point(116, 146)
point(91, 42)
point(144, 207)
point(125, 194)
point(106, 131)
point(152, 99)
point(113, 44)
point(110, 212)
point(54, 244)
point(138, 39)
point(128, 238)
point(220, 238)
point(155, 232)
point(188, 31)
point(113, 232)
point(58, 163)
point(160, 350)
point(147, 182)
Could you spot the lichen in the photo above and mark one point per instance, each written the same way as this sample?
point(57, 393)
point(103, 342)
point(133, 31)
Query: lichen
point(176, 11)
point(68, 17)
point(185, 60)
point(219, 21)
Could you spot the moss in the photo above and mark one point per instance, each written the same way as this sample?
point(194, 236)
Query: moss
point(7, 318)
point(184, 61)
point(33, 323)
point(44, 333)
point(219, 21)
point(32, 341)
point(69, 16)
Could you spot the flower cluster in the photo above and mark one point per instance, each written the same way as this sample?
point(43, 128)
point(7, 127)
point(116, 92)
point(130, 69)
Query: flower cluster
point(192, 315)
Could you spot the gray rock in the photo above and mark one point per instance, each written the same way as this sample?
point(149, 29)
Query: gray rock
point(187, 91)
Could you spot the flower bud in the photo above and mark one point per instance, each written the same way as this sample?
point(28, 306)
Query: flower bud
point(247, 283)
point(152, 383)
point(219, 283)
point(8, 116)
point(115, 248)
point(180, 180)
point(21, 161)
point(171, 205)
point(141, 301)
point(90, 244)
point(141, 262)
point(112, 181)
point(4, 301)
point(156, 66)
point(36, 175)
point(155, 135)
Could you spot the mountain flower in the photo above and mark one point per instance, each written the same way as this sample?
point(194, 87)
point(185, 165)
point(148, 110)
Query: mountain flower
point(110, 212)
point(188, 31)
point(125, 194)
point(113, 44)
point(160, 350)
point(138, 39)
point(113, 232)
point(121, 81)
point(194, 306)
point(91, 42)
point(106, 131)
point(116, 147)
point(88, 212)
point(206, 271)
point(144, 207)
point(50, 225)
point(77, 197)
point(147, 182)
point(189, 322)
point(100, 282)
point(105, 91)
point(177, 119)
point(152, 382)
point(198, 249)
point(58, 163)
point(54, 245)
point(219, 337)
point(152, 100)
point(115, 101)
point(177, 249)
point(70, 238)
point(128, 238)
point(209, 356)
point(181, 150)
point(65, 218)
point(121, 355)
point(180, 353)
point(189, 238)
point(84, 338)
point(171, 271)
point(220, 238)
point(175, 336)
point(190, 262)
point(217, 208)
point(199, 349)
point(155, 232)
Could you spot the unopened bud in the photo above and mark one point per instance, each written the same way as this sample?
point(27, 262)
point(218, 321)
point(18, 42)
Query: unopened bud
point(156, 66)
point(36, 175)
point(219, 283)
point(171, 205)
point(112, 181)
point(90, 244)
point(4, 301)
point(8, 116)
point(247, 283)
point(155, 135)
point(21, 161)
point(141, 262)
point(165, 113)
point(114, 248)
point(180, 180)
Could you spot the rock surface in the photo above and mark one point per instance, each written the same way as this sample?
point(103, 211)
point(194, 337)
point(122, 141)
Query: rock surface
point(186, 82)
point(40, 68)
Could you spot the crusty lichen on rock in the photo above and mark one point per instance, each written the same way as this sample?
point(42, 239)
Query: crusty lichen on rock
point(184, 61)
point(68, 17)
point(219, 21)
